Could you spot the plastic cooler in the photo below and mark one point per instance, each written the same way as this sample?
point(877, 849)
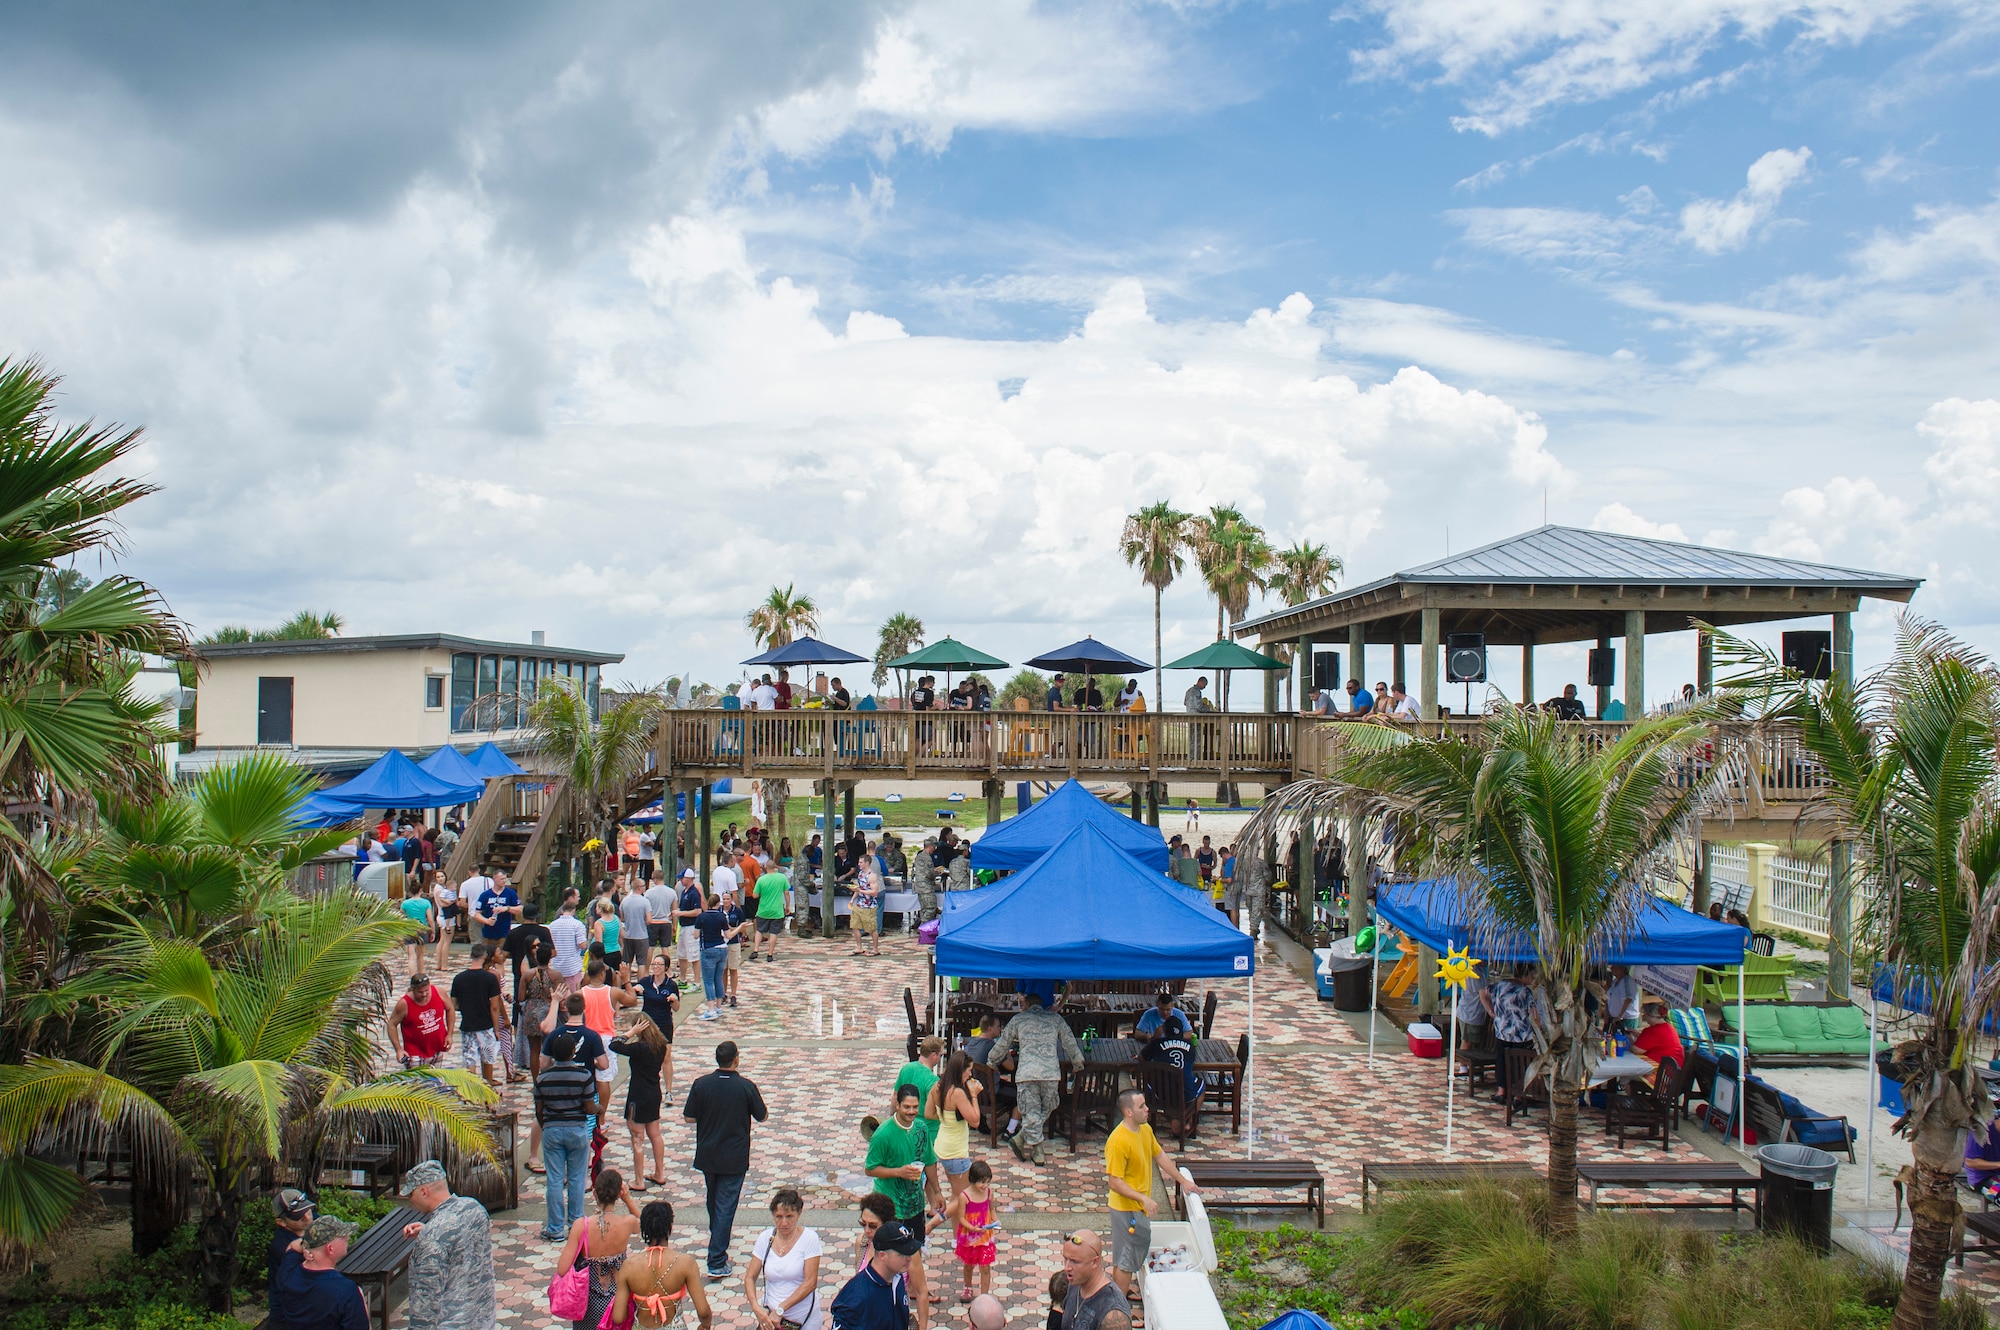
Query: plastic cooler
point(1181, 1298)
point(1426, 1041)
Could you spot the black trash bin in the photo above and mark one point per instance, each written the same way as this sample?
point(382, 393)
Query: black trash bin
point(1350, 987)
point(1798, 1193)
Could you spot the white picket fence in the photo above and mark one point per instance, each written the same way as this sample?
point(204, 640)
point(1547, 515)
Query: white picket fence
point(1798, 895)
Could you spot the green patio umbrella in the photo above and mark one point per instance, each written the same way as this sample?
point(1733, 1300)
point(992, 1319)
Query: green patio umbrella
point(1223, 657)
point(947, 654)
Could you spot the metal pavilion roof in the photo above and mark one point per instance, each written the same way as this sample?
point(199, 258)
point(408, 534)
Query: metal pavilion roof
point(1572, 558)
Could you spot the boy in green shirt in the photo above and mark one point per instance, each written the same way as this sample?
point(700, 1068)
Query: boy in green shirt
point(922, 1073)
point(770, 889)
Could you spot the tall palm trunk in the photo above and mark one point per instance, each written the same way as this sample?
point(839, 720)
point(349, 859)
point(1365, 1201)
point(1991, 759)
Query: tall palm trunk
point(221, 1224)
point(1934, 1212)
point(1159, 686)
point(1562, 1147)
point(159, 1202)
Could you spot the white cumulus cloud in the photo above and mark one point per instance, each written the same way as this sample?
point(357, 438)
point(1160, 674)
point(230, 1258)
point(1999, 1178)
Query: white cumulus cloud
point(1715, 225)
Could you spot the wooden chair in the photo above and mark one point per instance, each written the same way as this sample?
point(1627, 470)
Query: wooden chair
point(1166, 1094)
point(1093, 1097)
point(1521, 1095)
point(964, 1019)
point(990, 1116)
point(1208, 1013)
point(1650, 1111)
point(1476, 1065)
point(1764, 944)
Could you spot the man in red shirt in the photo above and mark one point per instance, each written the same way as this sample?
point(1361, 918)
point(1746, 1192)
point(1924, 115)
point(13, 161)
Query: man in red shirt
point(1657, 1038)
point(420, 1023)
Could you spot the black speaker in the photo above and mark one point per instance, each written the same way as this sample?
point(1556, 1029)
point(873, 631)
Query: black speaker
point(1326, 671)
point(1465, 658)
point(1810, 653)
point(1603, 667)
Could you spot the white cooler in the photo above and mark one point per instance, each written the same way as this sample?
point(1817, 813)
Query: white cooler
point(1182, 1299)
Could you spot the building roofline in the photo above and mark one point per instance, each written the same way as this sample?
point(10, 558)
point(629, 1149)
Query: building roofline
point(395, 642)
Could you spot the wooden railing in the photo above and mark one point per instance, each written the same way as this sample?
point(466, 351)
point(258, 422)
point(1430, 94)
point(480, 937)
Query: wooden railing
point(992, 743)
point(479, 828)
point(549, 802)
point(1763, 765)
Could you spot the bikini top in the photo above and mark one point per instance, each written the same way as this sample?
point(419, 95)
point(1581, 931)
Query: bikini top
point(656, 1304)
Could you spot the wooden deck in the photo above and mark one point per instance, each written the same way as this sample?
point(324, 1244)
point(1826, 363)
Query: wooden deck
point(1769, 778)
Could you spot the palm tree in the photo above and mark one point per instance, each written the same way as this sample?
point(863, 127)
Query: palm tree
point(306, 625)
point(1155, 541)
point(213, 1068)
point(68, 732)
point(1546, 835)
point(1305, 571)
point(783, 616)
point(901, 634)
point(1235, 560)
point(1908, 777)
point(599, 756)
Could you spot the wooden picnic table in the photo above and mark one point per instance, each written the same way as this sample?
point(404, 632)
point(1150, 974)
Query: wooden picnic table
point(1210, 1055)
point(381, 1255)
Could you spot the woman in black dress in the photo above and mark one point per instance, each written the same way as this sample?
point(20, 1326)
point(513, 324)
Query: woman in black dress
point(647, 1048)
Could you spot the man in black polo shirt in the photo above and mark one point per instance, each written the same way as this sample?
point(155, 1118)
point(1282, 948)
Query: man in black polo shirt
point(529, 942)
point(878, 1297)
point(722, 1105)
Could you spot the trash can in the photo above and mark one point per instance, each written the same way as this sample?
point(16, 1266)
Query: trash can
point(1798, 1193)
point(1350, 987)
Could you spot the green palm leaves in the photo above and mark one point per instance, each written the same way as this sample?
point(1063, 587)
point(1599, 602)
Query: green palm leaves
point(782, 616)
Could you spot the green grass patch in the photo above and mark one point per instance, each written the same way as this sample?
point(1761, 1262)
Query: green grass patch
point(1260, 1275)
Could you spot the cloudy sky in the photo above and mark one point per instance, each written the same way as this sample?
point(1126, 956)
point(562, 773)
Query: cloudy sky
point(603, 318)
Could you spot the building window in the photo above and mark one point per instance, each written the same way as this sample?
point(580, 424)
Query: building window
point(590, 688)
point(531, 670)
point(489, 676)
point(464, 667)
point(434, 692)
point(510, 687)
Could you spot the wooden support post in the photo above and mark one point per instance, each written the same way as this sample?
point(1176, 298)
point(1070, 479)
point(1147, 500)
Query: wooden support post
point(707, 832)
point(847, 809)
point(1427, 685)
point(1153, 789)
point(1270, 691)
point(1703, 876)
point(1357, 876)
point(1305, 672)
point(1840, 854)
point(1603, 689)
point(1635, 664)
point(1704, 664)
point(1357, 653)
point(1527, 674)
point(996, 801)
point(827, 918)
point(1396, 671)
point(1138, 804)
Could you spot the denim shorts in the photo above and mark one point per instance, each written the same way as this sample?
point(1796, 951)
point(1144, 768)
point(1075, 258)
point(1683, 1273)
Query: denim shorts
point(957, 1168)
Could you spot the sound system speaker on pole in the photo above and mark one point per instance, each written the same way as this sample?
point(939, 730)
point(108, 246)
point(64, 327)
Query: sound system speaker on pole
point(1810, 653)
point(1326, 671)
point(1603, 667)
point(1465, 658)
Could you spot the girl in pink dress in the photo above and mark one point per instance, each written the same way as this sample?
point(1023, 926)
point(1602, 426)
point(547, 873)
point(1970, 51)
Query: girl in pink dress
point(971, 1214)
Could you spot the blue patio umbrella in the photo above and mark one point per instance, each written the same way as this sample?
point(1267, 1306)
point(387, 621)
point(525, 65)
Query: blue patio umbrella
point(807, 651)
point(1088, 656)
point(1297, 1319)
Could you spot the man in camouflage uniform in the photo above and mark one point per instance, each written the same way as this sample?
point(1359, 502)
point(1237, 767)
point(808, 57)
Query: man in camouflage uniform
point(1041, 1039)
point(451, 1268)
point(922, 880)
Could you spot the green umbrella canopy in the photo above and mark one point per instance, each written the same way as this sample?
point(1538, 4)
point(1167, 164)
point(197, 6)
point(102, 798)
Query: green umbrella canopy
point(1225, 656)
point(946, 654)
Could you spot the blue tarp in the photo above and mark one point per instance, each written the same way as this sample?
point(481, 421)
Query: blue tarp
point(393, 781)
point(452, 767)
point(488, 760)
point(315, 811)
point(1020, 841)
point(1916, 995)
point(1088, 910)
point(1432, 913)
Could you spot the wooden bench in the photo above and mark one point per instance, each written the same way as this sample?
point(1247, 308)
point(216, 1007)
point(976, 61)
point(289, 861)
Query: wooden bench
point(1272, 1174)
point(1702, 1175)
point(375, 1165)
point(1384, 1176)
point(382, 1254)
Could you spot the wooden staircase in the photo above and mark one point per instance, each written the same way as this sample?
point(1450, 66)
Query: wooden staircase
point(513, 830)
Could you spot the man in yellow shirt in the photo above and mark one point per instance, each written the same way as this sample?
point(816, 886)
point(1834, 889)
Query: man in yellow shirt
point(1129, 1157)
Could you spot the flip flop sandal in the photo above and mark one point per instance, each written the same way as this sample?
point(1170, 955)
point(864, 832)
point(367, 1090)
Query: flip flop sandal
point(536, 1169)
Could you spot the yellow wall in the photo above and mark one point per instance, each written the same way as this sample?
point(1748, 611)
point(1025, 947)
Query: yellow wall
point(342, 699)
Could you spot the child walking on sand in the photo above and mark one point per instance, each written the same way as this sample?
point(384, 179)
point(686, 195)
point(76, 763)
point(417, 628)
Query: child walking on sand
point(971, 1214)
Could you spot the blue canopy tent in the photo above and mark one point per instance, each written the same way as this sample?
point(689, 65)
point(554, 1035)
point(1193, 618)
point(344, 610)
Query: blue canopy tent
point(1088, 910)
point(316, 812)
point(1433, 913)
point(1020, 841)
point(488, 760)
point(393, 781)
point(453, 768)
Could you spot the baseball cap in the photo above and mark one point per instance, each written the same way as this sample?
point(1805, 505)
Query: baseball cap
point(291, 1203)
point(687, 875)
point(897, 1237)
point(423, 1175)
point(324, 1230)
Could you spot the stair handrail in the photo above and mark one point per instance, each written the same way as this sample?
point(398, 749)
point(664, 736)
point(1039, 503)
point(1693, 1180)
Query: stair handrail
point(477, 839)
point(541, 844)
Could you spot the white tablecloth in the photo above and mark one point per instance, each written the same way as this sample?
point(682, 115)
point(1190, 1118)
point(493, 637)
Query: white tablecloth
point(1627, 1066)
